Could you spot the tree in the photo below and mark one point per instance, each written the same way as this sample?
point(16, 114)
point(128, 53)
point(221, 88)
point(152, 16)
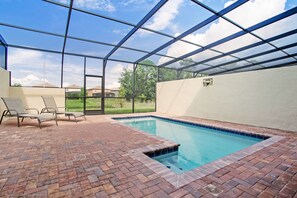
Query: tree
point(145, 81)
point(126, 84)
point(186, 62)
point(186, 74)
point(166, 74)
point(17, 85)
point(76, 95)
point(146, 78)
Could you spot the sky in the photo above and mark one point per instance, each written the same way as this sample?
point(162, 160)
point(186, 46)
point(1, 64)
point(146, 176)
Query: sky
point(176, 16)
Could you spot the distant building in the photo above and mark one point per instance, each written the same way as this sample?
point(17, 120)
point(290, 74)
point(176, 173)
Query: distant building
point(115, 92)
point(96, 91)
point(72, 89)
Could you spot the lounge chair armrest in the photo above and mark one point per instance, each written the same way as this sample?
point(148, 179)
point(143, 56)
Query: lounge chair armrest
point(48, 110)
point(12, 110)
point(61, 108)
point(33, 109)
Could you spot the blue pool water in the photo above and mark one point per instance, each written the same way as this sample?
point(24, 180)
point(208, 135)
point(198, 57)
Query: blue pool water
point(198, 145)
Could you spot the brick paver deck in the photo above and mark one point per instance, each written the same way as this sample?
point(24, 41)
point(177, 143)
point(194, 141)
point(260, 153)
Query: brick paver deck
point(93, 159)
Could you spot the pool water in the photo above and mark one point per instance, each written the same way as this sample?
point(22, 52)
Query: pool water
point(176, 162)
point(198, 145)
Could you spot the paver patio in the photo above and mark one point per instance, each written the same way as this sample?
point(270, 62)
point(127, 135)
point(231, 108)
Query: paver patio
point(91, 158)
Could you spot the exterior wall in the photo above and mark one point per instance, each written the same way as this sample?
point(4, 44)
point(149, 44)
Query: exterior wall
point(91, 92)
point(70, 90)
point(266, 98)
point(31, 96)
point(115, 92)
point(4, 87)
point(94, 92)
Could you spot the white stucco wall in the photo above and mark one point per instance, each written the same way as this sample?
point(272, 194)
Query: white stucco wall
point(266, 98)
point(4, 87)
point(31, 96)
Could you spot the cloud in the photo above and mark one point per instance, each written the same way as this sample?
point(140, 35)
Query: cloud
point(18, 56)
point(114, 84)
point(113, 72)
point(30, 67)
point(121, 32)
point(246, 15)
point(33, 58)
point(164, 17)
point(103, 5)
point(28, 80)
point(129, 2)
point(139, 2)
point(26, 67)
point(137, 5)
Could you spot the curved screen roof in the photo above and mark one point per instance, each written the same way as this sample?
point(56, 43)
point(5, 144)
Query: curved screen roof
point(210, 37)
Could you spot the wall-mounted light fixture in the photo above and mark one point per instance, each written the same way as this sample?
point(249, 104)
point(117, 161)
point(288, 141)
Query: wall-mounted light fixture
point(207, 81)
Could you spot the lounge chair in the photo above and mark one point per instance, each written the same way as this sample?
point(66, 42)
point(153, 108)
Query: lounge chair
point(51, 107)
point(15, 108)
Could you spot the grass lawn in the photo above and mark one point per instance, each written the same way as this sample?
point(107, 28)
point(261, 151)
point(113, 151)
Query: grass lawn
point(112, 105)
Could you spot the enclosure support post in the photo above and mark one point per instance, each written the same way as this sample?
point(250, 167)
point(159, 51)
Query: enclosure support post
point(133, 88)
point(10, 78)
point(6, 51)
point(178, 72)
point(85, 91)
point(158, 71)
point(62, 71)
point(103, 87)
point(65, 39)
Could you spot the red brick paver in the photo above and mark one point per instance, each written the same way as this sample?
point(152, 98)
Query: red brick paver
point(93, 159)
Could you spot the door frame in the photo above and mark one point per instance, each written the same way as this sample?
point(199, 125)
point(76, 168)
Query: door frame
point(92, 112)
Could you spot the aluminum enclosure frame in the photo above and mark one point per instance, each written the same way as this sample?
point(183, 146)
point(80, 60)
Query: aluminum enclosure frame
point(173, 39)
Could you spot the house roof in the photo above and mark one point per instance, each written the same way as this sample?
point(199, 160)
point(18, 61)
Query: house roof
point(95, 88)
point(115, 89)
point(73, 86)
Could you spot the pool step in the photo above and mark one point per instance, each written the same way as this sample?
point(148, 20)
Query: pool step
point(162, 151)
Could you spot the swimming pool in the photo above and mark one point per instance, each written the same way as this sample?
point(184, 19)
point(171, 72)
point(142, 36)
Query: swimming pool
point(199, 145)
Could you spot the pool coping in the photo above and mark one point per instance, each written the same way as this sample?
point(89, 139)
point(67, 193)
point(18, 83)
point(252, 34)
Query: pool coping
point(179, 180)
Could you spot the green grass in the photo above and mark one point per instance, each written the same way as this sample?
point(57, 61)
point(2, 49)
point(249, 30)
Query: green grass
point(112, 105)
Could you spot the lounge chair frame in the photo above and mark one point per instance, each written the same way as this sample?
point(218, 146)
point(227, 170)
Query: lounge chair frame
point(23, 113)
point(51, 107)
